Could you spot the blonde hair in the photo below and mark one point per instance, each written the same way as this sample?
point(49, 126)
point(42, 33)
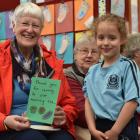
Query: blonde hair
point(28, 8)
point(119, 21)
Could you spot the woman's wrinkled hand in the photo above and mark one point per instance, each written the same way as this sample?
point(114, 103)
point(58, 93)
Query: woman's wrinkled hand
point(16, 122)
point(59, 116)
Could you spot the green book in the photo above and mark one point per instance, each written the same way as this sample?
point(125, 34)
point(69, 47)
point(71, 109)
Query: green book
point(42, 99)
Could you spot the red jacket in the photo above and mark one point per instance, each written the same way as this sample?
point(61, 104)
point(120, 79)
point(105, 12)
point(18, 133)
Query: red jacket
point(65, 98)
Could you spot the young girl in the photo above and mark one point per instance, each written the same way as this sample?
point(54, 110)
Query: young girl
point(112, 86)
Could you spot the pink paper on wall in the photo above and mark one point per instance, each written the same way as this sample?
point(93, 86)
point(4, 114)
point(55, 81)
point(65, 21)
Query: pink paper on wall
point(64, 17)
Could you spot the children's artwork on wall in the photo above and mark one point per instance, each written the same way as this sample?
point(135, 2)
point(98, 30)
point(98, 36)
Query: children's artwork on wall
point(64, 17)
point(83, 13)
point(89, 22)
point(9, 26)
point(48, 28)
point(64, 47)
point(40, 1)
point(61, 11)
point(118, 7)
point(134, 16)
point(101, 7)
point(35, 1)
point(79, 35)
point(139, 16)
point(2, 26)
point(48, 41)
point(23, 1)
point(47, 14)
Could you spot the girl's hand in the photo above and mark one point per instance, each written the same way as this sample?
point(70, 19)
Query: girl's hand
point(59, 116)
point(16, 122)
point(111, 135)
point(98, 135)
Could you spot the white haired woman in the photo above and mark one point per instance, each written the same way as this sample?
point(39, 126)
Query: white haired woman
point(20, 59)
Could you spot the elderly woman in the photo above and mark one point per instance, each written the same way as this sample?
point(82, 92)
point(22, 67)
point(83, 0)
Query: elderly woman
point(132, 49)
point(85, 54)
point(21, 59)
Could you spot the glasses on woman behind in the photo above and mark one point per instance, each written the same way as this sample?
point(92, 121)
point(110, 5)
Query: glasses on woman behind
point(87, 51)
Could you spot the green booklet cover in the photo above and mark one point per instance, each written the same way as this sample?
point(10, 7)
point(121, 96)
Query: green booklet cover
point(42, 99)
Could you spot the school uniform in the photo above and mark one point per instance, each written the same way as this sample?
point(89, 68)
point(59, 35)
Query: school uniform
point(109, 88)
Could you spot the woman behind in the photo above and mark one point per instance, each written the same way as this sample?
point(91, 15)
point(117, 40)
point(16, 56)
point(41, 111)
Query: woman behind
point(85, 54)
point(132, 47)
point(21, 59)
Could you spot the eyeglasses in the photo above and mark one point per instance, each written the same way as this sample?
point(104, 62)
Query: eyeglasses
point(86, 51)
point(27, 25)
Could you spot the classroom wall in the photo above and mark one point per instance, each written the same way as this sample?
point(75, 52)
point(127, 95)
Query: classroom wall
point(61, 35)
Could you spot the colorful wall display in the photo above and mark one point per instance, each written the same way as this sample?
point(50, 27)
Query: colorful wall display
point(9, 26)
point(118, 7)
point(79, 35)
point(83, 10)
point(49, 19)
point(64, 47)
point(48, 41)
point(134, 16)
point(101, 7)
point(69, 19)
point(36, 1)
point(6, 25)
point(64, 17)
point(138, 16)
point(2, 26)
